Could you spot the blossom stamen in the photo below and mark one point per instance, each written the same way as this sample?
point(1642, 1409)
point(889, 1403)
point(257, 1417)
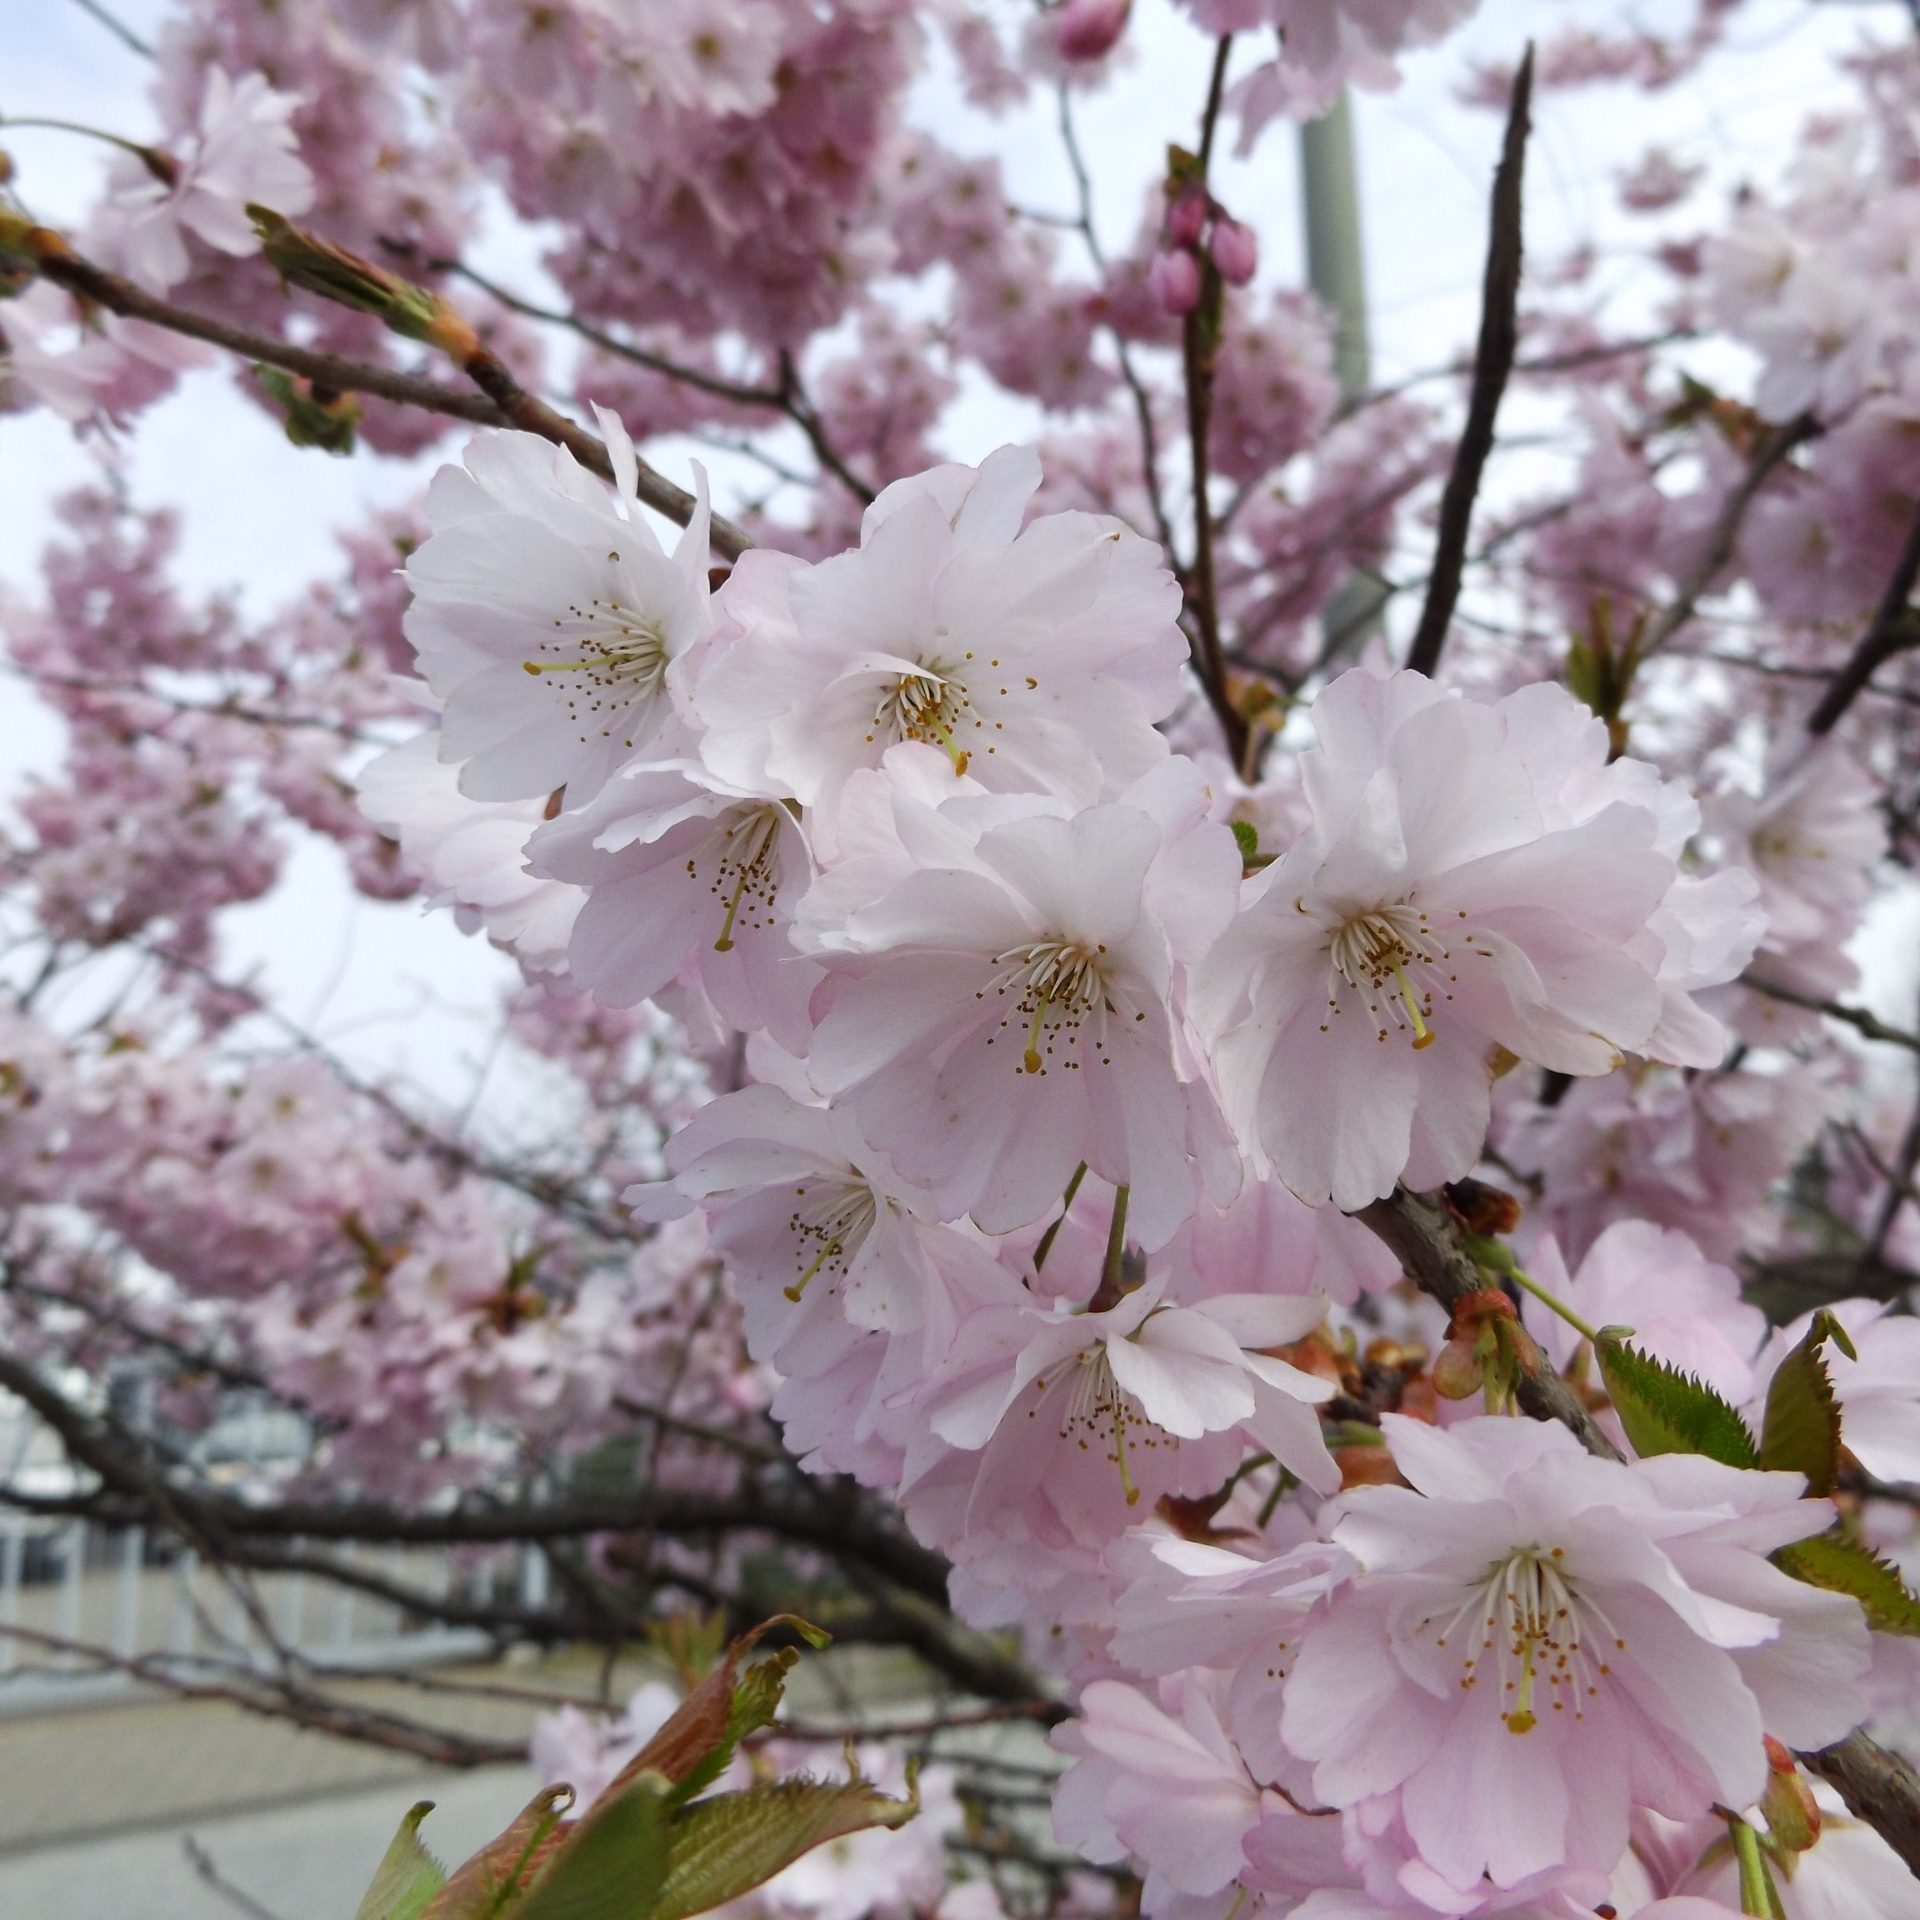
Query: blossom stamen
point(750, 854)
point(926, 706)
point(840, 1219)
point(618, 649)
point(1059, 974)
point(1376, 948)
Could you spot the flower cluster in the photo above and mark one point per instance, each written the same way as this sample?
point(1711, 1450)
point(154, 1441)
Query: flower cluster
point(1370, 1264)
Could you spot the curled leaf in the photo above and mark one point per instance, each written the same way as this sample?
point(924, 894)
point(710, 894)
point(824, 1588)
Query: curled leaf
point(1840, 1565)
point(1801, 1431)
point(408, 1875)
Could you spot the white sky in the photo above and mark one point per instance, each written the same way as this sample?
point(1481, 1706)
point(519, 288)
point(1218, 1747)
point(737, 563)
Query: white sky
point(259, 513)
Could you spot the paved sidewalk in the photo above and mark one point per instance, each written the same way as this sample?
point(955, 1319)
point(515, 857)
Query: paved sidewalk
point(311, 1861)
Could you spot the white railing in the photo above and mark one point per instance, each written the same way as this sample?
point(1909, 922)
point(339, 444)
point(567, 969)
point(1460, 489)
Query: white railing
point(72, 1591)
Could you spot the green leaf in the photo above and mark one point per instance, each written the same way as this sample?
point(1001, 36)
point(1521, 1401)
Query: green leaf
point(1801, 1433)
point(1247, 837)
point(1840, 1565)
point(496, 1876)
point(729, 1845)
point(408, 1877)
point(1666, 1411)
point(611, 1864)
point(756, 1699)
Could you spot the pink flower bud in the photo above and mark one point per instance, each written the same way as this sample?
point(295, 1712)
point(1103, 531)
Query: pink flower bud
point(1236, 251)
point(1187, 218)
point(1085, 29)
point(1175, 280)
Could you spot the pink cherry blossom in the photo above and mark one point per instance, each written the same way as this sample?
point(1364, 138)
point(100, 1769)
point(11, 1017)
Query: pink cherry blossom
point(1009, 1006)
point(685, 877)
point(241, 150)
point(1524, 1657)
point(1036, 660)
point(1449, 899)
point(548, 621)
point(1683, 1309)
point(471, 854)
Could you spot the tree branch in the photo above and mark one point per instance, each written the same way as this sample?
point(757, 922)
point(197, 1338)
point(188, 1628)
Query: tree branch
point(1869, 1024)
point(1894, 630)
point(1492, 363)
point(506, 402)
point(1200, 341)
point(1879, 1789)
point(1421, 1233)
point(1726, 531)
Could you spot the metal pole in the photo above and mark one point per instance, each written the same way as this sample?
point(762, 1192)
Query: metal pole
point(1337, 272)
point(1336, 262)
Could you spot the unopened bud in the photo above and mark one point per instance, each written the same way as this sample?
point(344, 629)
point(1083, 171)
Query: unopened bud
point(1175, 280)
point(161, 164)
point(314, 416)
point(1487, 1348)
point(1086, 29)
point(1235, 250)
point(1792, 1814)
point(1187, 217)
point(305, 260)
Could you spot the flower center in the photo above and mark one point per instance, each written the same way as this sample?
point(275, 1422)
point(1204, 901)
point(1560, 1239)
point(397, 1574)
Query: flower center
point(748, 846)
point(1542, 1633)
point(619, 655)
point(926, 705)
point(1392, 947)
point(1058, 981)
point(831, 1223)
point(1098, 1411)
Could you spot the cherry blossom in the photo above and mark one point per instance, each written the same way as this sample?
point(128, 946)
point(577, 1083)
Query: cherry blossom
point(471, 854)
point(241, 151)
point(1452, 897)
point(1565, 1622)
point(1035, 659)
point(1008, 1008)
point(547, 619)
point(680, 874)
point(1683, 1309)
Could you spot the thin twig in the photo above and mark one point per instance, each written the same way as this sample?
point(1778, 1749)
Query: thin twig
point(1863, 1022)
point(787, 398)
point(201, 1861)
point(118, 28)
point(1726, 531)
point(1199, 342)
point(1492, 363)
point(506, 402)
point(1142, 403)
point(1894, 630)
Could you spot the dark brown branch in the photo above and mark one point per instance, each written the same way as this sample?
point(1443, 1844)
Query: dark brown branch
point(1878, 1787)
point(1200, 341)
point(1492, 363)
point(829, 1516)
point(1422, 1234)
point(787, 398)
point(505, 402)
point(1858, 1018)
point(1726, 531)
point(1894, 630)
